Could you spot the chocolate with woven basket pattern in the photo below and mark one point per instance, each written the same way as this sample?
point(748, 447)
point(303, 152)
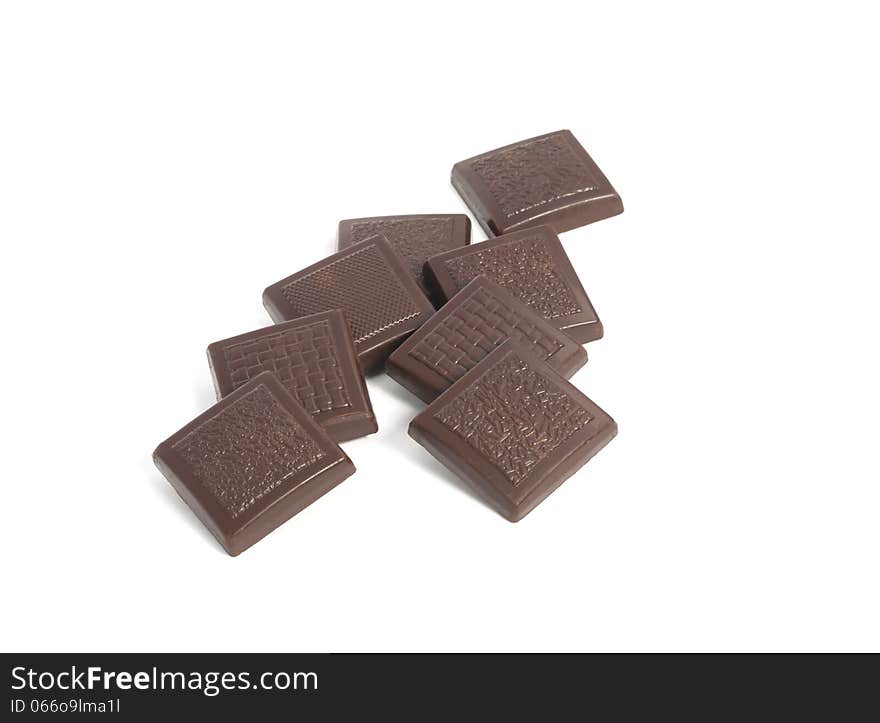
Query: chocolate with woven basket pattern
point(464, 331)
point(314, 358)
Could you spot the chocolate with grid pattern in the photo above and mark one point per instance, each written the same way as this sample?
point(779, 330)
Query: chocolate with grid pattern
point(477, 319)
point(513, 428)
point(251, 462)
point(531, 265)
point(548, 180)
point(314, 358)
point(414, 237)
point(370, 283)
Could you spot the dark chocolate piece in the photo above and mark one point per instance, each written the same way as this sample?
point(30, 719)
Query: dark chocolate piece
point(369, 282)
point(314, 358)
point(545, 180)
point(251, 462)
point(531, 265)
point(513, 428)
point(480, 317)
point(416, 238)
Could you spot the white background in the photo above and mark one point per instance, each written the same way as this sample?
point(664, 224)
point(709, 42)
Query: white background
point(162, 162)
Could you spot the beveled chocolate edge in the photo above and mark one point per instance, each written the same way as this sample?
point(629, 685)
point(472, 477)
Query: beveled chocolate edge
point(374, 353)
point(480, 471)
point(568, 216)
point(568, 213)
point(463, 186)
point(218, 520)
point(461, 226)
point(357, 422)
point(426, 384)
point(462, 469)
point(568, 466)
point(582, 327)
point(287, 505)
point(204, 508)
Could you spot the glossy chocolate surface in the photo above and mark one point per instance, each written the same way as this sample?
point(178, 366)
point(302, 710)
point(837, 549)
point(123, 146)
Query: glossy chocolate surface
point(314, 358)
point(513, 428)
point(251, 462)
point(415, 237)
point(548, 180)
point(370, 283)
point(463, 332)
point(533, 267)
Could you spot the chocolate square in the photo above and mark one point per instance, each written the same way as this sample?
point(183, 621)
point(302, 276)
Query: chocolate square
point(251, 462)
point(513, 428)
point(314, 358)
point(548, 179)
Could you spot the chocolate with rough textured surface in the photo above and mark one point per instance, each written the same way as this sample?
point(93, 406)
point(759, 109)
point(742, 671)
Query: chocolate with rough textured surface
point(548, 180)
point(513, 428)
point(251, 462)
point(314, 358)
point(531, 265)
point(414, 237)
point(477, 319)
point(369, 282)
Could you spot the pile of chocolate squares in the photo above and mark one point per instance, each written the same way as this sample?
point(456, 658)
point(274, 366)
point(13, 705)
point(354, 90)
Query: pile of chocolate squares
point(486, 334)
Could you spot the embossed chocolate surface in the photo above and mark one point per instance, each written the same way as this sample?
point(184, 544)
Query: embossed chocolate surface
point(513, 428)
point(370, 283)
point(548, 180)
point(533, 267)
point(464, 331)
point(314, 358)
point(251, 462)
point(416, 237)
